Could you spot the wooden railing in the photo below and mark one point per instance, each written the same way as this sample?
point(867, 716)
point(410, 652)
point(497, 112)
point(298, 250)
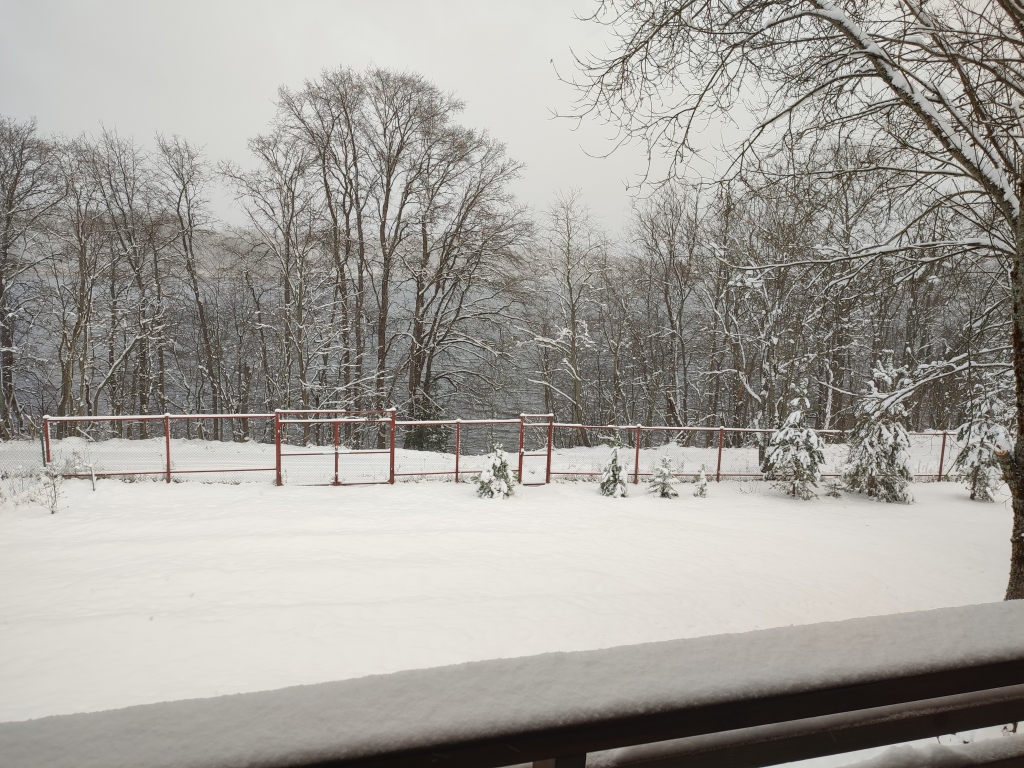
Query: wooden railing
point(752, 699)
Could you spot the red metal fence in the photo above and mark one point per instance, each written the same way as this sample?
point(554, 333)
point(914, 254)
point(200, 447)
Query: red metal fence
point(347, 448)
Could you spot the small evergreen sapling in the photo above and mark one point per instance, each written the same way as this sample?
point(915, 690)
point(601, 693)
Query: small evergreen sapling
point(663, 482)
point(495, 480)
point(701, 485)
point(878, 464)
point(613, 481)
point(795, 453)
point(976, 463)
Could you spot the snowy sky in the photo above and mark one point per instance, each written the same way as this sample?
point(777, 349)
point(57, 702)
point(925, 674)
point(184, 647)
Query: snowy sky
point(209, 70)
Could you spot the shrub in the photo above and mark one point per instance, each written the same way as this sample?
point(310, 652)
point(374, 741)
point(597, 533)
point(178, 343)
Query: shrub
point(613, 481)
point(793, 458)
point(495, 480)
point(663, 482)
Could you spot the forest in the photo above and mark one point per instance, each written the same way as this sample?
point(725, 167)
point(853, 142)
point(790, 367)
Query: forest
point(385, 261)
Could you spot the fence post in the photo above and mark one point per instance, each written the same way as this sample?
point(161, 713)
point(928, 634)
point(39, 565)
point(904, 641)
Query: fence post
point(522, 440)
point(721, 439)
point(636, 459)
point(46, 440)
point(277, 445)
point(391, 477)
point(167, 443)
point(551, 441)
point(942, 456)
point(337, 426)
point(458, 446)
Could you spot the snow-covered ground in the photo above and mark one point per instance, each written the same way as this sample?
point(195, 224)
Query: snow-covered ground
point(144, 592)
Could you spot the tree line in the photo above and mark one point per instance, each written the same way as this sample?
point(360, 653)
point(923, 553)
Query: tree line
point(384, 260)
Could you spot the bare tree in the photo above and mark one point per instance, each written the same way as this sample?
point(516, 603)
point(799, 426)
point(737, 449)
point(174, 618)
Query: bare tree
point(184, 176)
point(127, 185)
point(281, 207)
point(28, 190)
point(329, 115)
point(574, 251)
point(668, 233)
point(79, 264)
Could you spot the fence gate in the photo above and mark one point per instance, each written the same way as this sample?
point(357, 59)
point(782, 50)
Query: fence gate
point(536, 434)
point(335, 447)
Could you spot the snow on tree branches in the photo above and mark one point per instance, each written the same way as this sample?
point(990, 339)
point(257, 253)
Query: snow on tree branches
point(663, 482)
point(878, 464)
point(613, 478)
point(794, 455)
point(495, 480)
point(976, 463)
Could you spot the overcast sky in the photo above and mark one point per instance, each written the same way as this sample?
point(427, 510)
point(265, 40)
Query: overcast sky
point(210, 70)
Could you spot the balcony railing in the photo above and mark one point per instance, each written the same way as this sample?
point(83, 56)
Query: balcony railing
point(752, 699)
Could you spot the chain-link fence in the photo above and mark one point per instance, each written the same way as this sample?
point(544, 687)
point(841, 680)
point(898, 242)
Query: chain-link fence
point(212, 448)
point(335, 447)
point(21, 461)
point(345, 447)
point(581, 452)
point(452, 449)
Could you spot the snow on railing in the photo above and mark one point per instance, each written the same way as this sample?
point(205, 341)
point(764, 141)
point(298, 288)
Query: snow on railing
point(752, 699)
point(311, 447)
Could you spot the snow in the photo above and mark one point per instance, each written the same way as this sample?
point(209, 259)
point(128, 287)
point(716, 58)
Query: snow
point(147, 592)
point(506, 698)
point(984, 752)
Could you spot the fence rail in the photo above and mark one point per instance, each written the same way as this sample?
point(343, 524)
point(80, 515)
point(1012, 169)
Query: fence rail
point(742, 700)
point(309, 447)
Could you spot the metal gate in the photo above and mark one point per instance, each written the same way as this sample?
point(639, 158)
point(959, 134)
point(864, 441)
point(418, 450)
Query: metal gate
point(536, 434)
point(335, 447)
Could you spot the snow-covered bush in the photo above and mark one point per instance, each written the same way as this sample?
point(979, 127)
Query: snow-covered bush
point(878, 464)
point(795, 453)
point(32, 485)
point(701, 485)
point(663, 482)
point(49, 488)
point(613, 478)
point(495, 480)
point(20, 485)
point(976, 463)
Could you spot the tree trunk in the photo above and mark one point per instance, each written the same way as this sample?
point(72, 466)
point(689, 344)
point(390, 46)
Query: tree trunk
point(1013, 462)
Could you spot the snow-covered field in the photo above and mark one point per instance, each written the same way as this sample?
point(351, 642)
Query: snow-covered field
point(143, 592)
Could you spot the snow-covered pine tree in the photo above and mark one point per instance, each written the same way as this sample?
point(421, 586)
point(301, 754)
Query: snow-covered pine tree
point(663, 482)
point(795, 453)
point(976, 464)
point(613, 478)
point(495, 480)
point(879, 445)
point(701, 483)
